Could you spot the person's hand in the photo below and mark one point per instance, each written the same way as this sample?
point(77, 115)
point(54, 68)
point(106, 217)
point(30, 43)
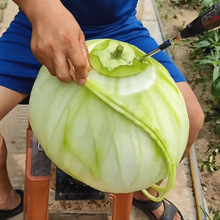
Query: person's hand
point(59, 44)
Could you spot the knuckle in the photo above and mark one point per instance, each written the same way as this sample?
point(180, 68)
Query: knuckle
point(68, 41)
point(46, 47)
point(63, 78)
point(66, 38)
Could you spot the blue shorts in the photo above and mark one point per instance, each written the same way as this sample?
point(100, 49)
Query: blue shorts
point(19, 68)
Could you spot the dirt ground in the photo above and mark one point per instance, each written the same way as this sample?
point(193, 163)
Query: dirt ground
point(173, 20)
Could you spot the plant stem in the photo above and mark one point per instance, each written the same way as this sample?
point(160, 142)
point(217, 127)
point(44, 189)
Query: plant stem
point(118, 52)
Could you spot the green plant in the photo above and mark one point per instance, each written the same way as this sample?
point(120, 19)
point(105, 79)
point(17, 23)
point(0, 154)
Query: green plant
point(207, 42)
point(119, 132)
point(212, 215)
point(207, 58)
point(207, 53)
point(210, 164)
point(217, 216)
point(216, 85)
point(207, 4)
point(211, 62)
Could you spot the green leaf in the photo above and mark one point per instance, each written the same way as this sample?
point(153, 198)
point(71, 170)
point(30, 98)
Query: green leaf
point(217, 216)
point(205, 213)
point(206, 109)
point(216, 73)
point(215, 90)
point(204, 43)
point(205, 167)
point(216, 36)
point(212, 169)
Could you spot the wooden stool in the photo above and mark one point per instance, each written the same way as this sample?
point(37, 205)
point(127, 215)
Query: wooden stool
point(37, 186)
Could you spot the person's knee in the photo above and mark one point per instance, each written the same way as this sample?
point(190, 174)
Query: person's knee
point(195, 112)
point(196, 120)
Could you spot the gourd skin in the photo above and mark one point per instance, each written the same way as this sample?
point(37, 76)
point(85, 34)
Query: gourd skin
point(116, 134)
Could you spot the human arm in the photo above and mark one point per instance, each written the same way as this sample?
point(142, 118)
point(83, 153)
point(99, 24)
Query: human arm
point(57, 39)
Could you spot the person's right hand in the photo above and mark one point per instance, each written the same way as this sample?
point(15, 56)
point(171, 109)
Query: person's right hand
point(59, 44)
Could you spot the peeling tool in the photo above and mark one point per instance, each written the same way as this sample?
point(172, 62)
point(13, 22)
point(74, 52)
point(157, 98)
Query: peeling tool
point(209, 20)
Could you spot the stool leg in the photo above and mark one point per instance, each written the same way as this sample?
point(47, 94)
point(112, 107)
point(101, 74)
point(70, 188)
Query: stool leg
point(36, 193)
point(122, 204)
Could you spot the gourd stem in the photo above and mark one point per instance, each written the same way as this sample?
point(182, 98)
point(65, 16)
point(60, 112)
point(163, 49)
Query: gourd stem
point(118, 51)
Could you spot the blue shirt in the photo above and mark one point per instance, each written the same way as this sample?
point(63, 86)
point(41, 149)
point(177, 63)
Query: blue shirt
point(100, 12)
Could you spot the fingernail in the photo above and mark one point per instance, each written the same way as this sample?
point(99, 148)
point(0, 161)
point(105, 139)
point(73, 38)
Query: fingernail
point(81, 81)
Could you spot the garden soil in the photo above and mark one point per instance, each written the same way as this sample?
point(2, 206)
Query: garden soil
point(173, 19)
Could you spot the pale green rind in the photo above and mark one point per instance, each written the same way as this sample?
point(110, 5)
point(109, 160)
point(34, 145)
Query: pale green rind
point(135, 118)
point(135, 137)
